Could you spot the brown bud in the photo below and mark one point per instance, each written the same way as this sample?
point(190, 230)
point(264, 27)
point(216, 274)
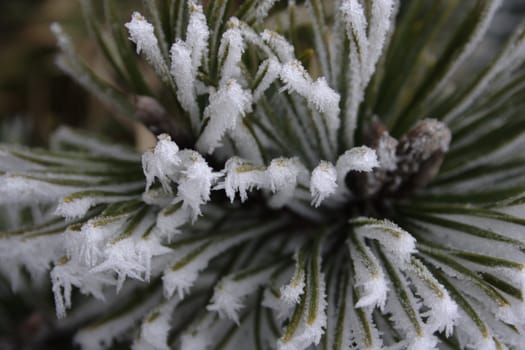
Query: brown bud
point(420, 153)
point(404, 166)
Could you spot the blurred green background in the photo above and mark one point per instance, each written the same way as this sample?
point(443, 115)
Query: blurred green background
point(35, 96)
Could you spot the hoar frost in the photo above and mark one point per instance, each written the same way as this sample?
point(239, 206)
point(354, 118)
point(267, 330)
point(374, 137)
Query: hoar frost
point(304, 190)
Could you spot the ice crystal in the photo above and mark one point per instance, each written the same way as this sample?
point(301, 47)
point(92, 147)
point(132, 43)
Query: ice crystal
point(341, 174)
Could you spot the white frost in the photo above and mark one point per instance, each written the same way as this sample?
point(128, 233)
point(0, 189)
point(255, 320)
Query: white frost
point(195, 181)
point(230, 53)
point(282, 48)
point(283, 175)
point(242, 176)
point(227, 105)
point(171, 218)
point(161, 163)
point(397, 242)
point(271, 69)
point(230, 292)
point(182, 72)
point(142, 34)
point(369, 276)
point(66, 275)
point(197, 35)
point(355, 159)
point(155, 328)
point(323, 182)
